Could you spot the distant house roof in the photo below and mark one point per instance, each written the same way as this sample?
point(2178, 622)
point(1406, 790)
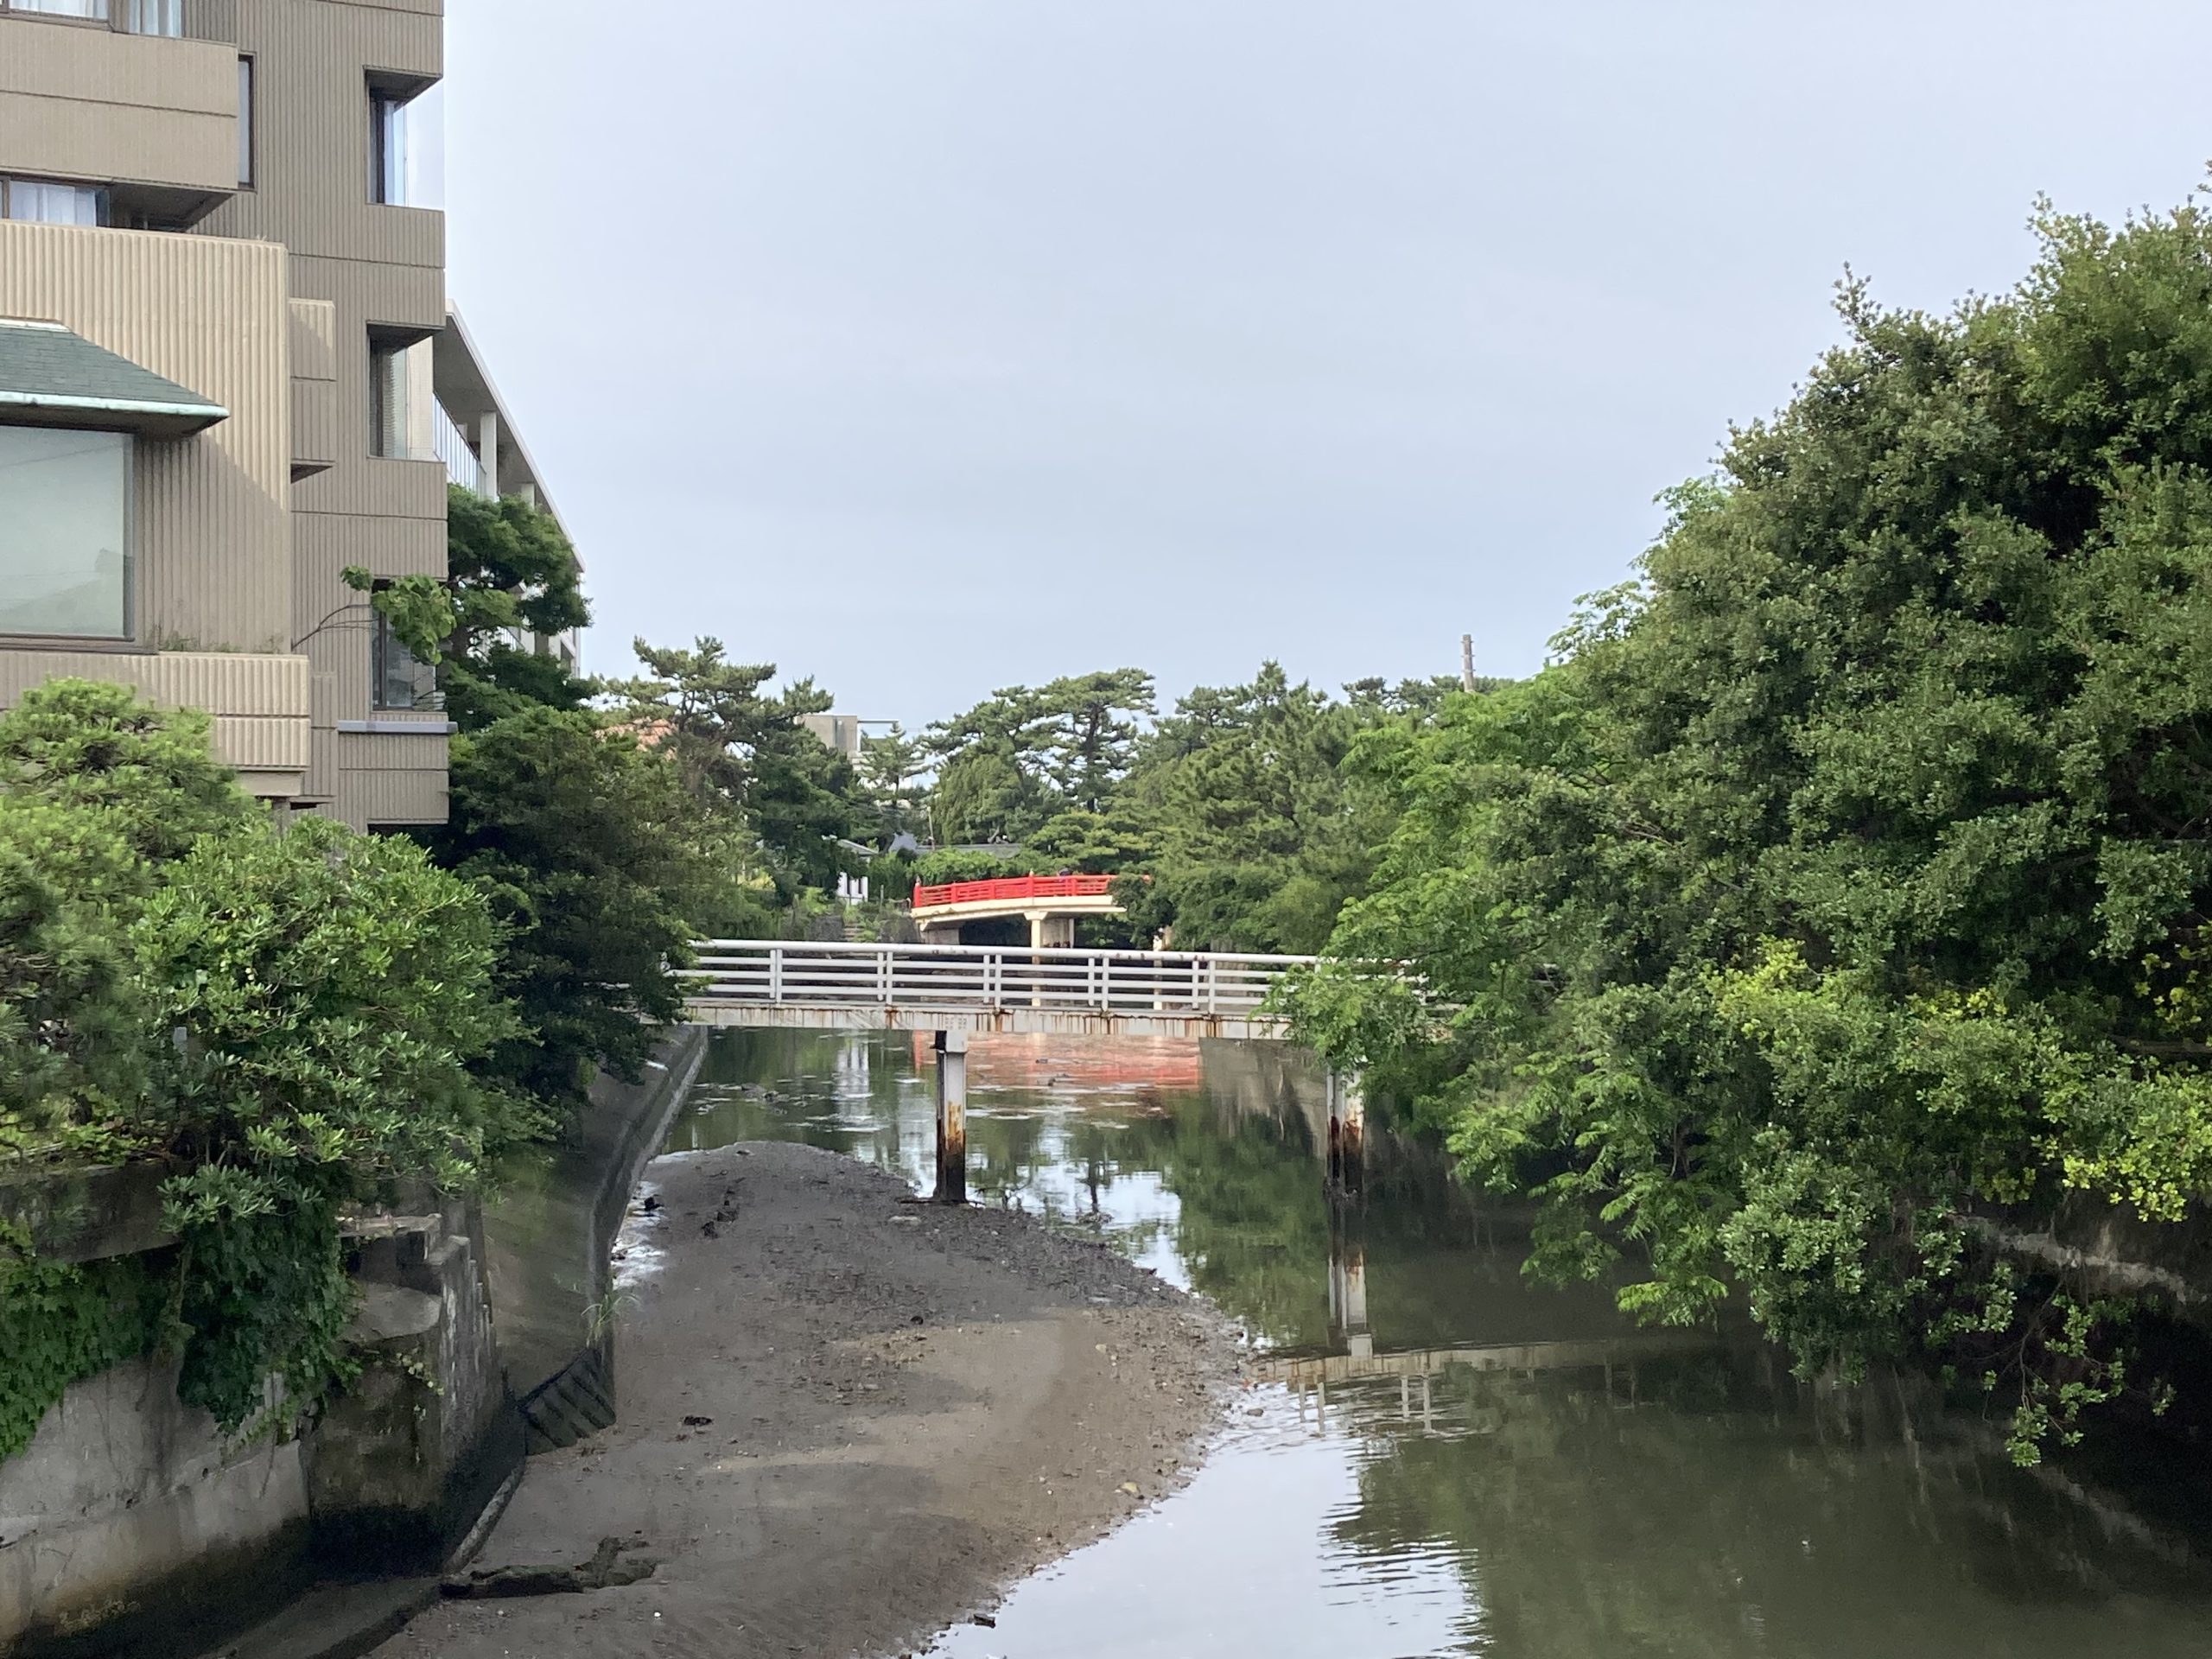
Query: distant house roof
point(648, 733)
point(51, 377)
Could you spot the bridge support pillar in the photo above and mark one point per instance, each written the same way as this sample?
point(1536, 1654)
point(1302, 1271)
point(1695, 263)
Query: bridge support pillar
point(952, 1117)
point(1051, 933)
point(1347, 1133)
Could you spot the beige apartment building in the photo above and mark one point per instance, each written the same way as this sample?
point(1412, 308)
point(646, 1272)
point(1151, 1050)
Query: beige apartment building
point(228, 372)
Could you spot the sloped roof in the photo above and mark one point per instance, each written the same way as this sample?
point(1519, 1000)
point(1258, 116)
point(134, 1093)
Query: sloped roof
point(51, 377)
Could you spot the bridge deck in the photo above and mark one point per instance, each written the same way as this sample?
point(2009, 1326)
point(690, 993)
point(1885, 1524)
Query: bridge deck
point(777, 983)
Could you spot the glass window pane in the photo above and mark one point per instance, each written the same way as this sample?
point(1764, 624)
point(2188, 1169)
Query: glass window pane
point(424, 149)
point(64, 519)
point(387, 150)
point(64, 8)
point(246, 121)
point(157, 17)
point(400, 420)
point(385, 399)
point(399, 679)
point(53, 204)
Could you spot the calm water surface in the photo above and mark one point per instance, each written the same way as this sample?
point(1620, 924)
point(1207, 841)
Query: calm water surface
point(1448, 1459)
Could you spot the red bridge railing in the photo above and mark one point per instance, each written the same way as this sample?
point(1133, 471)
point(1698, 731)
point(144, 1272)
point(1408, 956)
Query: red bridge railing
point(1013, 889)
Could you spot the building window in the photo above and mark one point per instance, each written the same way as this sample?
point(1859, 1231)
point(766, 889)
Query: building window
point(388, 402)
point(157, 17)
point(65, 532)
point(400, 401)
point(407, 146)
point(397, 677)
point(52, 203)
point(245, 123)
point(95, 10)
point(388, 149)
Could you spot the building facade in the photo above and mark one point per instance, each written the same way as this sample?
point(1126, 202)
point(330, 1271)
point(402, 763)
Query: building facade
point(223, 332)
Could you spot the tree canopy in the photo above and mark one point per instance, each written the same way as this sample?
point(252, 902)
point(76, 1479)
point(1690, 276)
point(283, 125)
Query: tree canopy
point(287, 1022)
point(750, 755)
point(1843, 888)
point(510, 570)
point(590, 852)
point(1024, 754)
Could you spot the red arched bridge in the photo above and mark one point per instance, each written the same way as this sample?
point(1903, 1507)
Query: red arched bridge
point(1050, 904)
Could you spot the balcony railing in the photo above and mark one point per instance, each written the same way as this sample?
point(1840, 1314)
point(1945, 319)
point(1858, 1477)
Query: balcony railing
point(448, 444)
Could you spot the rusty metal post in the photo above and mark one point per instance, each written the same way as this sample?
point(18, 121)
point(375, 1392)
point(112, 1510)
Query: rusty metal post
point(1354, 1136)
point(1347, 1133)
point(952, 1117)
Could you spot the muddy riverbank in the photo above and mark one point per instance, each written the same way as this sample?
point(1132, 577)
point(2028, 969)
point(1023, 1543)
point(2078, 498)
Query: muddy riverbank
point(848, 1420)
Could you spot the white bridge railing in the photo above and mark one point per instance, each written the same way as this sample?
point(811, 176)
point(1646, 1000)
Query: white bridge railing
point(790, 973)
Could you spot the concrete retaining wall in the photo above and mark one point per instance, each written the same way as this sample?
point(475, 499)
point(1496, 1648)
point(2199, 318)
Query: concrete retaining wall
point(129, 1510)
point(131, 1525)
point(548, 1235)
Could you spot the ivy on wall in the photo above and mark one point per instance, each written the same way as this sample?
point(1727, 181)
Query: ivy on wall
point(60, 1322)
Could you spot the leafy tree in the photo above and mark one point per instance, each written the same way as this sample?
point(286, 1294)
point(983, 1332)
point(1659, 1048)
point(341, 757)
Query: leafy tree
point(588, 849)
point(509, 569)
point(1023, 754)
point(73, 1032)
point(1259, 840)
point(286, 1021)
point(984, 796)
point(148, 773)
point(891, 768)
point(991, 784)
point(98, 789)
point(1090, 843)
point(326, 992)
point(746, 754)
point(1846, 885)
point(1089, 734)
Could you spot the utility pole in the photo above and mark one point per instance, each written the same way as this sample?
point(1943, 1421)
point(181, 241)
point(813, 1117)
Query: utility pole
point(1467, 662)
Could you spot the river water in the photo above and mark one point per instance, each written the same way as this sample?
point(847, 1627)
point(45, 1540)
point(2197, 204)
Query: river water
point(1446, 1459)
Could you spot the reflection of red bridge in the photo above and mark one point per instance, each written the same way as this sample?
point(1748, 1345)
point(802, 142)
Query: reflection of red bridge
point(1049, 904)
point(1036, 1061)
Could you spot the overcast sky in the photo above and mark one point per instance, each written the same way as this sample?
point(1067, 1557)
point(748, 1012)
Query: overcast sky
point(930, 346)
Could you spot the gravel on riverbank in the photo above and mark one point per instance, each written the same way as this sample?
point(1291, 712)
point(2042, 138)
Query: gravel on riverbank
point(848, 1421)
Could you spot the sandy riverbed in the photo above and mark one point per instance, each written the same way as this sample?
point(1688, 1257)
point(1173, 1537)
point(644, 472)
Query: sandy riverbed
point(848, 1421)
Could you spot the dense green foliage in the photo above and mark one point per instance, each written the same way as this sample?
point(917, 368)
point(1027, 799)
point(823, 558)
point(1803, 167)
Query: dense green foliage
point(143, 775)
point(746, 757)
point(590, 854)
point(285, 1022)
point(509, 570)
point(1023, 754)
point(1260, 834)
point(1845, 885)
point(60, 1322)
point(71, 1058)
point(1233, 819)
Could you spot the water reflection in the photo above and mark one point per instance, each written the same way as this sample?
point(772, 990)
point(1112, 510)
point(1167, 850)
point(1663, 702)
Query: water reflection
point(1445, 1458)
